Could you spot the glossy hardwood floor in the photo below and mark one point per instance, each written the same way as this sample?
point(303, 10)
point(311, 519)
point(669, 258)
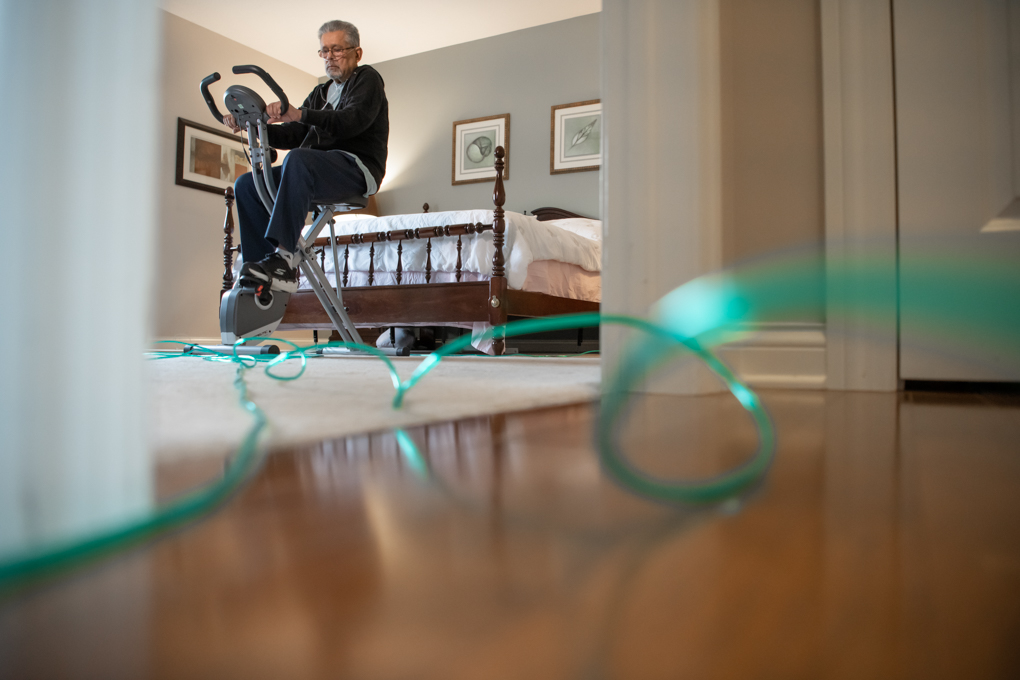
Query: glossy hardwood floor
point(885, 543)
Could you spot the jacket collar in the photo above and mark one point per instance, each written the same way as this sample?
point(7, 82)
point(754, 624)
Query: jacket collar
point(324, 87)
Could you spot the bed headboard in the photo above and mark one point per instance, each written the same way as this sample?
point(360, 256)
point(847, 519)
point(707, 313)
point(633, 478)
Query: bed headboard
point(546, 214)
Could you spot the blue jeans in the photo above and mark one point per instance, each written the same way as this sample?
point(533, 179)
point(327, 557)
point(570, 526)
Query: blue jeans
point(306, 178)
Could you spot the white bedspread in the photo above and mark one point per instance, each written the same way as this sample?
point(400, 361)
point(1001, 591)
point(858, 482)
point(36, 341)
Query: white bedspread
point(526, 240)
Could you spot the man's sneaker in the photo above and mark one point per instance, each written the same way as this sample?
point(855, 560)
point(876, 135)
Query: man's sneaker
point(272, 270)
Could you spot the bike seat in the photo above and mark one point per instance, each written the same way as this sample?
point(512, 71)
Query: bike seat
point(353, 203)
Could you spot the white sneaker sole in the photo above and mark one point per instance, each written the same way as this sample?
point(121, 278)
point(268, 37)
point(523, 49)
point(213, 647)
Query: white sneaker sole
point(257, 277)
point(284, 286)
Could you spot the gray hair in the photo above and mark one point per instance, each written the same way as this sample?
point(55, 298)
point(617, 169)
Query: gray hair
point(353, 37)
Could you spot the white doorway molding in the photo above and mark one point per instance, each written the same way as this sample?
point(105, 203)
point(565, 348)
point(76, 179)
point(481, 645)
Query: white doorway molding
point(860, 193)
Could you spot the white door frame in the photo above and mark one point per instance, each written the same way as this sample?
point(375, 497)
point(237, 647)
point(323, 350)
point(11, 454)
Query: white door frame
point(858, 100)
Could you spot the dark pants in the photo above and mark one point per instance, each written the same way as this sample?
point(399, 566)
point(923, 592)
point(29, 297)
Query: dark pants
point(306, 178)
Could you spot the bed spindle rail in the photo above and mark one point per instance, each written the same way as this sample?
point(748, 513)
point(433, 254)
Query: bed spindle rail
point(497, 300)
point(465, 229)
point(400, 235)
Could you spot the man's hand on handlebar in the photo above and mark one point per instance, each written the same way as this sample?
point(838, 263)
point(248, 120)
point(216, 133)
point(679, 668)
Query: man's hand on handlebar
point(293, 113)
point(273, 110)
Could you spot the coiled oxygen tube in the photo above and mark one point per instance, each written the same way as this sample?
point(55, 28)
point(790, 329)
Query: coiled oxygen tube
point(243, 466)
point(695, 318)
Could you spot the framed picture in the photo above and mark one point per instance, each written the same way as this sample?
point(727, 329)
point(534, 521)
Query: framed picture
point(575, 142)
point(207, 158)
point(474, 146)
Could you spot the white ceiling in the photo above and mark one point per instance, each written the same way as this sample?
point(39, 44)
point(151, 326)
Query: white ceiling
point(389, 29)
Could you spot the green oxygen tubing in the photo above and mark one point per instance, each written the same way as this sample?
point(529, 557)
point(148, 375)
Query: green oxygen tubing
point(691, 320)
point(25, 568)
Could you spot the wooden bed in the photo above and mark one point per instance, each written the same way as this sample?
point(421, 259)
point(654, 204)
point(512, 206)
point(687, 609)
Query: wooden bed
point(430, 303)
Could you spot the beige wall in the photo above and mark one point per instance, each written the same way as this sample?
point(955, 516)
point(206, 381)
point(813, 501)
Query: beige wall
point(189, 260)
point(524, 73)
point(772, 181)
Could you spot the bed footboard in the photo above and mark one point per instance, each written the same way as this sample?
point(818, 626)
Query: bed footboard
point(431, 302)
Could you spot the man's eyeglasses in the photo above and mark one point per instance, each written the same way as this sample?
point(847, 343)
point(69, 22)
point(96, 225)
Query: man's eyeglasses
point(335, 51)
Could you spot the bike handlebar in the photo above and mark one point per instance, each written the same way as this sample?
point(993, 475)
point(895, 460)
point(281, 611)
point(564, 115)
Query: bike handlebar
point(206, 82)
point(268, 79)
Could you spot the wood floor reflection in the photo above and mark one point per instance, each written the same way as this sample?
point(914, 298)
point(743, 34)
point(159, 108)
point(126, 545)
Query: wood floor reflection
point(884, 543)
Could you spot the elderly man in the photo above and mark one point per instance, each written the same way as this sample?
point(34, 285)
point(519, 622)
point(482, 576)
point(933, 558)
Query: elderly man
point(338, 151)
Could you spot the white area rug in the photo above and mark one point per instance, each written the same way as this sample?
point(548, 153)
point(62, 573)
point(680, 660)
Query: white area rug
point(196, 411)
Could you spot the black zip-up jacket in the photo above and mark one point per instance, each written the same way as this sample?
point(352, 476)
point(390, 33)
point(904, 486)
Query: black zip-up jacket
point(360, 124)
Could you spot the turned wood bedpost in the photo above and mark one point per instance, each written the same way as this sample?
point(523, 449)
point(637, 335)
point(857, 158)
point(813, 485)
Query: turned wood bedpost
point(228, 241)
point(497, 283)
point(498, 223)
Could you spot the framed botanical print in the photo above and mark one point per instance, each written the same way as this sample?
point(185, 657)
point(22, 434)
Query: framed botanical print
point(474, 148)
point(207, 158)
point(575, 140)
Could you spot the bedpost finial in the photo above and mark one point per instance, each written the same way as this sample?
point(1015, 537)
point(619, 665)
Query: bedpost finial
point(425, 208)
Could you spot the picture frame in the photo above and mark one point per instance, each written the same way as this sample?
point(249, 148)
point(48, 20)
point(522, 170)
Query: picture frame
point(474, 145)
point(575, 137)
point(204, 151)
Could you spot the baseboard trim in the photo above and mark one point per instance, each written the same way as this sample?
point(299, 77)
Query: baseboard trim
point(780, 355)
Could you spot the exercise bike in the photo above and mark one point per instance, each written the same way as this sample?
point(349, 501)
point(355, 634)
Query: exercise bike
point(251, 313)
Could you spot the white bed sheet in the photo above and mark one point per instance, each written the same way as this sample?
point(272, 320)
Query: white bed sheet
point(526, 240)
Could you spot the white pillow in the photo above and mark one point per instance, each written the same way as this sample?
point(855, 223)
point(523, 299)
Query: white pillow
point(589, 229)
